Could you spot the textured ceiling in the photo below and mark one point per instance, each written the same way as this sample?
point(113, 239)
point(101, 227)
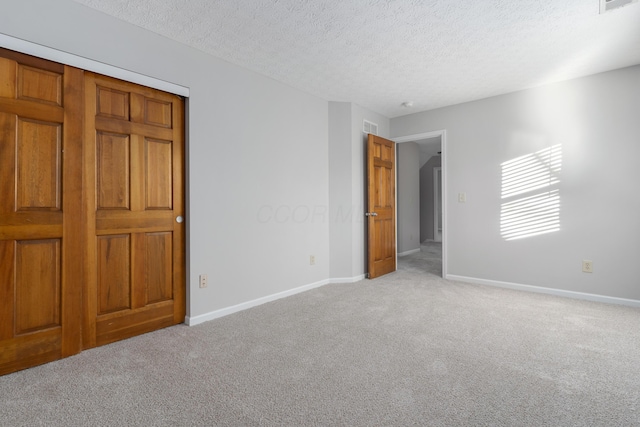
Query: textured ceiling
point(381, 53)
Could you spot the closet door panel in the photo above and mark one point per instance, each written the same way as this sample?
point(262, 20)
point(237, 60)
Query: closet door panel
point(41, 211)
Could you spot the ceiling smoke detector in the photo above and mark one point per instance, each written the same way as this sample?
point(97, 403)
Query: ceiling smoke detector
point(609, 5)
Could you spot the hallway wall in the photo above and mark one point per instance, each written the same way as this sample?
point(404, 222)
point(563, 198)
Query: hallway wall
point(427, 208)
point(408, 196)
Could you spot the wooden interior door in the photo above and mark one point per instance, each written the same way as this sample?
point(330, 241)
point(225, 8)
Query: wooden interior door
point(381, 206)
point(40, 209)
point(133, 174)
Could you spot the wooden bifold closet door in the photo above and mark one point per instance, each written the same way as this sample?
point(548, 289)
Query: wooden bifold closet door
point(91, 182)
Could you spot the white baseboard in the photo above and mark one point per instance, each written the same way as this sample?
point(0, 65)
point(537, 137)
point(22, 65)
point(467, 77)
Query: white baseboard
point(191, 321)
point(412, 251)
point(196, 320)
point(348, 279)
point(550, 291)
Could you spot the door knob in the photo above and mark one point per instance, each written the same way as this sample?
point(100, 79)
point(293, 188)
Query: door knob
point(371, 214)
point(179, 219)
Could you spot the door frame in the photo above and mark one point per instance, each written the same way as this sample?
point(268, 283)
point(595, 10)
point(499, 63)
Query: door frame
point(442, 133)
point(437, 204)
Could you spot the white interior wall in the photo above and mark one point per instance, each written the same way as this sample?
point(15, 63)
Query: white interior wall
point(340, 192)
point(257, 154)
point(348, 187)
point(595, 119)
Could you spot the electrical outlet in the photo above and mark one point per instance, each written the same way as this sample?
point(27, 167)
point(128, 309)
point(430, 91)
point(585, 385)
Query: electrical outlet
point(587, 266)
point(312, 260)
point(204, 280)
point(462, 197)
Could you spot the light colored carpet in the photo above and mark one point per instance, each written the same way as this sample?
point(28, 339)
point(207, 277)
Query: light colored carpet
point(405, 349)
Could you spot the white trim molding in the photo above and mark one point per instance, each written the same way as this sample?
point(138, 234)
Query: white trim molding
point(418, 136)
point(412, 251)
point(196, 320)
point(51, 54)
point(191, 321)
point(437, 203)
point(353, 279)
point(549, 291)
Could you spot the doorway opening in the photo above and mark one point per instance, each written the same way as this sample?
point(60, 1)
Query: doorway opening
point(432, 247)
